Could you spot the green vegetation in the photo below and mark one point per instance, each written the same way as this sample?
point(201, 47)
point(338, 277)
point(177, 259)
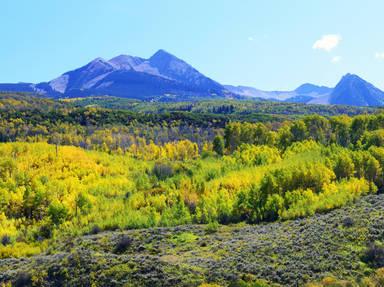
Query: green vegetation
point(246, 109)
point(328, 249)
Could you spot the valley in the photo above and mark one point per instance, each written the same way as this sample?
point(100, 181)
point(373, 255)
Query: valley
point(103, 191)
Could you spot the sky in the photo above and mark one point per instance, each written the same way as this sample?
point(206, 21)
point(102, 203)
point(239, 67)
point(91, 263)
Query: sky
point(267, 44)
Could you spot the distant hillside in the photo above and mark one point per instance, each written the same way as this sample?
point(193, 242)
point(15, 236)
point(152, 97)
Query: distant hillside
point(302, 94)
point(351, 90)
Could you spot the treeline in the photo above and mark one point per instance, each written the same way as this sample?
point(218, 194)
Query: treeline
point(354, 132)
point(108, 138)
point(226, 107)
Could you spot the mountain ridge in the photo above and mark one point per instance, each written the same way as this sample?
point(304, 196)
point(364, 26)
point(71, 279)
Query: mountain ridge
point(161, 75)
point(166, 77)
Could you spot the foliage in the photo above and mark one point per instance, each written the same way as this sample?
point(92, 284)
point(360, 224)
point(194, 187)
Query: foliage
point(66, 169)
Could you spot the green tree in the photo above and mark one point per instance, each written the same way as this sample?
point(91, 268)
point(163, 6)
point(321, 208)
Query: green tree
point(218, 145)
point(344, 166)
point(298, 131)
point(57, 212)
point(83, 204)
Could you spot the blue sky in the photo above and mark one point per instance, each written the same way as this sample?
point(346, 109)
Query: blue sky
point(268, 44)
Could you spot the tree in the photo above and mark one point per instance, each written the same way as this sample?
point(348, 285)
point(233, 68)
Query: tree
point(318, 128)
point(372, 169)
point(57, 212)
point(218, 145)
point(358, 127)
point(344, 167)
point(340, 130)
point(82, 203)
point(298, 131)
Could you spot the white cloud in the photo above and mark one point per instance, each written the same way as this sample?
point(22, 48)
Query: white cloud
point(250, 38)
point(327, 42)
point(336, 59)
point(379, 55)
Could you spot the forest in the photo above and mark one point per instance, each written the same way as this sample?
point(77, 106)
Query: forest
point(70, 169)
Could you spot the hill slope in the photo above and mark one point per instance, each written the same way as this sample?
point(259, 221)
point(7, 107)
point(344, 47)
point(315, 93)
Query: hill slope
point(288, 253)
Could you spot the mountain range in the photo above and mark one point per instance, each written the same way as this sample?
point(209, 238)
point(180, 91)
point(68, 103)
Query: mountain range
point(164, 77)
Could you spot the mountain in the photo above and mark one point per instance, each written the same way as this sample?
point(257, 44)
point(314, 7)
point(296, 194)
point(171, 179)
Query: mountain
point(353, 90)
point(314, 90)
point(247, 91)
point(302, 94)
point(19, 87)
point(163, 75)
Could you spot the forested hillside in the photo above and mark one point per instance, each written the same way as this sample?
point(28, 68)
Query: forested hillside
point(68, 171)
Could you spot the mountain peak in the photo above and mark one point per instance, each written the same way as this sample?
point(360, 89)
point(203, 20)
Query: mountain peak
point(97, 64)
point(98, 60)
point(351, 77)
point(311, 89)
point(355, 91)
point(126, 62)
point(162, 53)
point(162, 58)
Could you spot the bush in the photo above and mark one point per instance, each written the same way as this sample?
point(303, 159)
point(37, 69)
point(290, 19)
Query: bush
point(218, 145)
point(256, 283)
point(348, 222)
point(45, 232)
point(23, 280)
point(212, 227)
point(374, 256)
point(5, 240)
point(95, 229)
point(123, 244)
point(163, 171)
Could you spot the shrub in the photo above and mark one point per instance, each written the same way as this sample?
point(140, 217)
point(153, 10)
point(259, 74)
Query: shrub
point(163, 171)
point(374, 256)
point(95, 229)
point(123, 244)
point(256, 283)
point(378, 277)
point(218, 145)
point(5, 240)
point(184, 238)
point(348, 222)
point(211, 175)
point(212, 227)
point(45, 232)
point(23, 280)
